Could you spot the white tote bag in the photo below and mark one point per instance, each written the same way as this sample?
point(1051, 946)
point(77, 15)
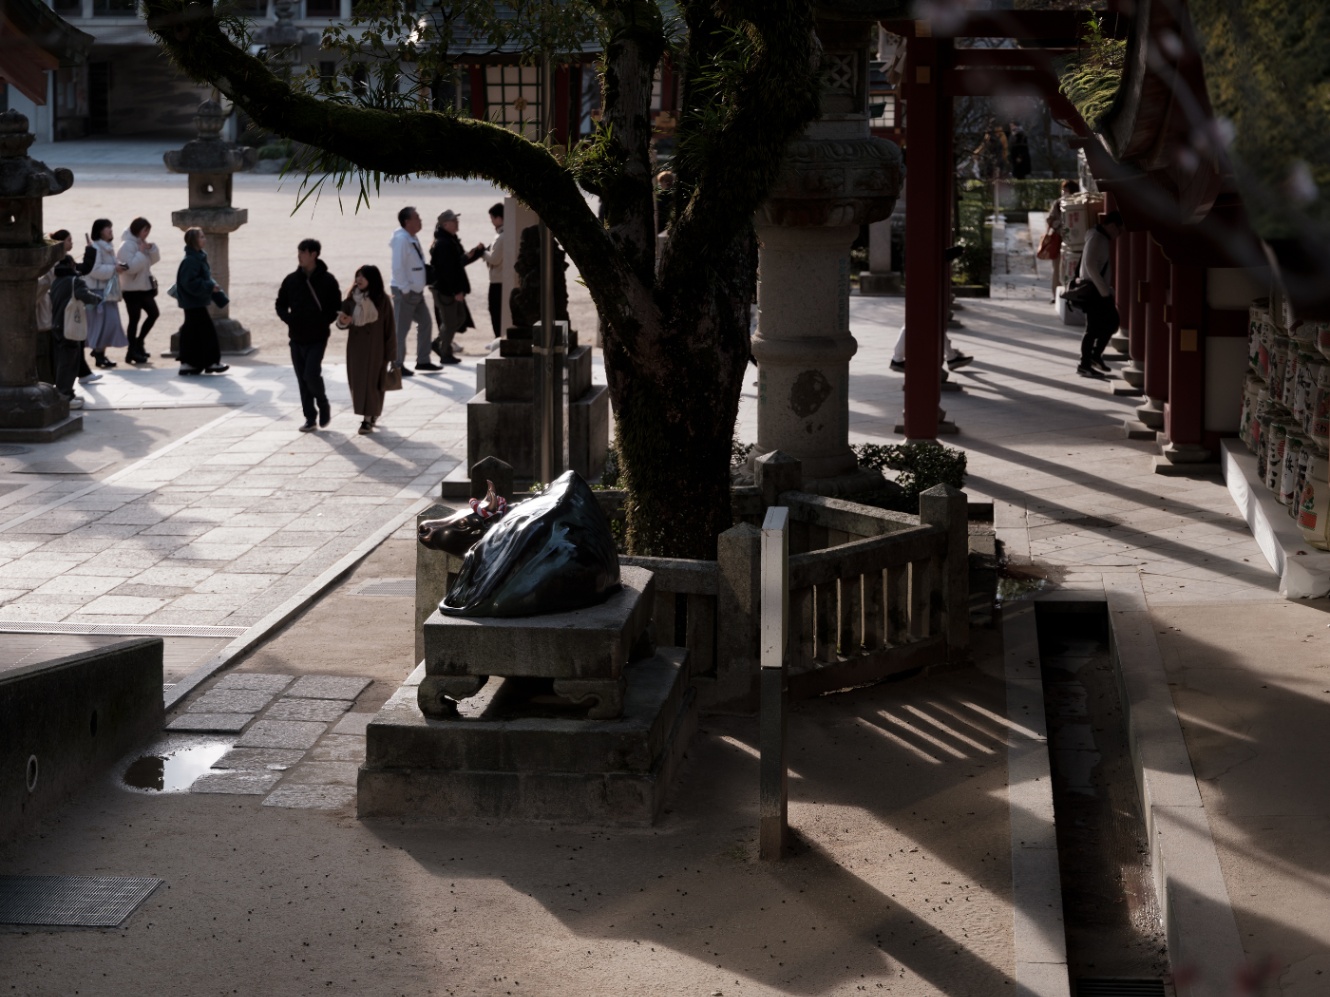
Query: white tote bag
point(112, 290)
point(76, 321)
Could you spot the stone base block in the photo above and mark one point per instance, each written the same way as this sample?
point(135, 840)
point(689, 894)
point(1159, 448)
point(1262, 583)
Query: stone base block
point(43, 434)
point(1127, 391)
point(944, 428)
point(589, 431)
point(1119, 342)
point(1151, 413)
point(1136, 430)
point(1134, 375)
point(880, 284)
point(66, 721)
point(510, 755)
point(1166, 467)
point(232, 337)
point(585, 644)
point(503, 430)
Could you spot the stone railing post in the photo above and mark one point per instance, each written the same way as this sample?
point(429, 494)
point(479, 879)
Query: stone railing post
point(773, 788)
point(776, 473)
point(738, 564)
point(431, 577)
point(947, 507)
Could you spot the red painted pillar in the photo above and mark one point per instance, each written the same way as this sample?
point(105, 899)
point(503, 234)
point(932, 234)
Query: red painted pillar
point(1122, 280)
point(1184, 413)
point(928, 172)
point(1156, 338)
point(1137, 243)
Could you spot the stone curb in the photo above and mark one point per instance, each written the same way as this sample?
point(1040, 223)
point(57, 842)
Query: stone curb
point(1039, 937)
point(1204, 945)
point(293, 607)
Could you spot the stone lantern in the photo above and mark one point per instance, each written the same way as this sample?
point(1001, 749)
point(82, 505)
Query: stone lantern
point(30, 411)
point(835, 178)
point(210, 163)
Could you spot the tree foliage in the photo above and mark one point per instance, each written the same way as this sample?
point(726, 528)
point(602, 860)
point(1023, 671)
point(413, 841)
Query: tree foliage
point(675, 328)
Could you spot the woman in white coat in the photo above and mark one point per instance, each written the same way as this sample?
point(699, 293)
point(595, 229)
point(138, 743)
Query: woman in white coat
point(138, 285)
point(103, 272)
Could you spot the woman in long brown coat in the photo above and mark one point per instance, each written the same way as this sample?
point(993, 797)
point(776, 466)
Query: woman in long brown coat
point(371, 343)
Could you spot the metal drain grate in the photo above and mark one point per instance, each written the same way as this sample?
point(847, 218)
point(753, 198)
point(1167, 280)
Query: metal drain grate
point(119, 629)
point(72, 901)
point(13, 449)
point(1119, 988)
point(388, 586)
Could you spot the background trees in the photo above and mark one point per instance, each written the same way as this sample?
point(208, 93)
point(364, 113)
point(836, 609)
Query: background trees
point(675, 328)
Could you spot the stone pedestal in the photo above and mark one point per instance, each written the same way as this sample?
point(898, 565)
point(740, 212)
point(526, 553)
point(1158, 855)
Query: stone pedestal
point(583, 652)
point(510, 754)
point(210, 164)
point(882, 277)
point(30, 410)
point(834, 178)
point(500, 416)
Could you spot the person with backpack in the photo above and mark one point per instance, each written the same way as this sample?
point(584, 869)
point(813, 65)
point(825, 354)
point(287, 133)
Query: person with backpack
point(308, 303)
point(70, 300)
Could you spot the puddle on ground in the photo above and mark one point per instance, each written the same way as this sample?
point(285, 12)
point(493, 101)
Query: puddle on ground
point(1020, 582)
point(172, 767)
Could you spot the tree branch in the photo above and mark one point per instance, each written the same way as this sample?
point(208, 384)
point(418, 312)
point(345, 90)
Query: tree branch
point(769, 106)
point(397, 143)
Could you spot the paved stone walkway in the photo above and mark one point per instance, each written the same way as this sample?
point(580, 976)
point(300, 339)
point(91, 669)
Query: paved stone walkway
point(223, 524)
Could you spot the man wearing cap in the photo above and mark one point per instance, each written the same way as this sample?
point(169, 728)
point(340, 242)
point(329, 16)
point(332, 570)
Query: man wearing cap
point(408, 290)
point(451, 287)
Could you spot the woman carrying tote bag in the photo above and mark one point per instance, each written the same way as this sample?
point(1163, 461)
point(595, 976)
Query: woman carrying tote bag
point(371, 344)
point(103, 271)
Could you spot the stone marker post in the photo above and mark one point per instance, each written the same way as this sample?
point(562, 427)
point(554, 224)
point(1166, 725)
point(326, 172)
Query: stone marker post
point(210, 164)
point(30, 411)
point(949, 595)
point(773, 784)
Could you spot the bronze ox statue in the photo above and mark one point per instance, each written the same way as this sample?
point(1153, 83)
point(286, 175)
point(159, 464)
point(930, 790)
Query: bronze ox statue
point(458, 533)
point(552, 553)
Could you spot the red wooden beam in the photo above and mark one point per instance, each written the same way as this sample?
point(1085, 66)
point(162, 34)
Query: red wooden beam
point(1064, 26)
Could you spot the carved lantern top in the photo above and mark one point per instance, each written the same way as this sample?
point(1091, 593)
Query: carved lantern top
point(208, 153)
point(23, 183)
point(19, 175)
point(852, 181)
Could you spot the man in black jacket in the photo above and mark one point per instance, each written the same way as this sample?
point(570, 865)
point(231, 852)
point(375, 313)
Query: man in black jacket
point(450, 283)
point(308, 303)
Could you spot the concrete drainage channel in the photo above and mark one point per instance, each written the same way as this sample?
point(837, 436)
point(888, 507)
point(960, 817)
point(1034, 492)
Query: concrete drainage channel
point(1114, 930)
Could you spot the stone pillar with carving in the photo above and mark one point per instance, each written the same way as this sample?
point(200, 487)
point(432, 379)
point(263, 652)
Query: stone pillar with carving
point(30, 411)
point(210, 163)
point(835, 177)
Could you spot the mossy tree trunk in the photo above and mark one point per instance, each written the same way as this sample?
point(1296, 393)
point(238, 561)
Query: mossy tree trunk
point(676, 329)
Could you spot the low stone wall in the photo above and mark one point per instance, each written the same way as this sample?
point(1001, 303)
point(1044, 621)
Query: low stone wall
point(66, 721)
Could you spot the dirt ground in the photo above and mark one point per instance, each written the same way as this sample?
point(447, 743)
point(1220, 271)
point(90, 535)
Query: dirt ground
point(899, 882)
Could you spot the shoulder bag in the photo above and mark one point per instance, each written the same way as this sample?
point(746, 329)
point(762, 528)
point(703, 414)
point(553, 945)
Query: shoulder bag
point(1050, 245)
point(112, 290)
point(76, 319)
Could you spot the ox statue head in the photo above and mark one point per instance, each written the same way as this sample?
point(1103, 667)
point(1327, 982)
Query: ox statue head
point(459, 532)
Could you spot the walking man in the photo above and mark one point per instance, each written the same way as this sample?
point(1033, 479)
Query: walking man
point(308, 304)
point(451, 285)
point(408, 289)
point(1101, 312)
